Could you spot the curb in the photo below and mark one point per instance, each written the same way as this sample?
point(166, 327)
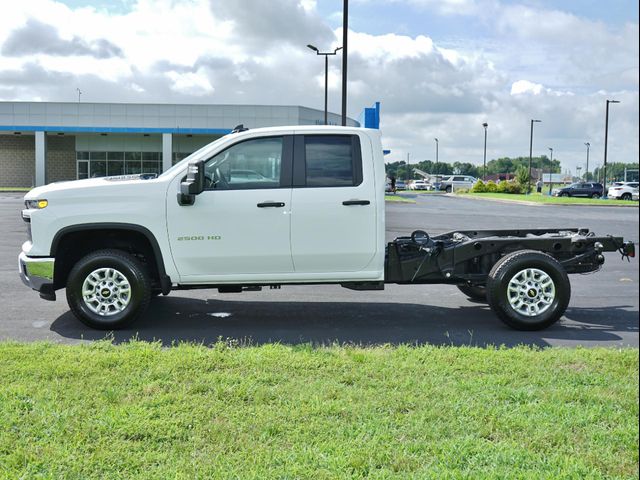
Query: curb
point(538, 204)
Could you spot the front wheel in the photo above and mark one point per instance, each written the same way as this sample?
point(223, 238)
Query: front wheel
point(595, 195)
point(528, 290)
point(564, 194)
point(449, 189)
point(108, 289)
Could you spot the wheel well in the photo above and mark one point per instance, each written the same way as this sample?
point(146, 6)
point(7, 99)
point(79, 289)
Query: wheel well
point(74, 245)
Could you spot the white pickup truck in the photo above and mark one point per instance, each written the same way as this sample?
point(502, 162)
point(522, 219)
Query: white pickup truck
point(275, 206)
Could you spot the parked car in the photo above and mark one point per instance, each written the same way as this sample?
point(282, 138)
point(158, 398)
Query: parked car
point(593, 190)
point(453, 182)
point(622, 190)
point(388, 188)
point(419, 185)
point(634, 195)
point(400, 185)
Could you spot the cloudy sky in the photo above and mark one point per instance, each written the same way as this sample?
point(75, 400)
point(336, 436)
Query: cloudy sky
point(440, 68)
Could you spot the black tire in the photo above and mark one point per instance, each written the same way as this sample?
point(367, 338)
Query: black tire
point(474, 292)
point(626, 196)
point(122, 316)
point(595, 195)
point(507, 269)
point(564, 194)
point(449, 189)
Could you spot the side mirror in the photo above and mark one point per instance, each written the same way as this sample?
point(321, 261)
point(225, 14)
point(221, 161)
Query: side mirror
point(193, 185)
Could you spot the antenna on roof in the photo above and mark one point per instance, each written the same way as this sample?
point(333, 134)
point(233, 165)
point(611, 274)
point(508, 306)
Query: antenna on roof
point(239, 128)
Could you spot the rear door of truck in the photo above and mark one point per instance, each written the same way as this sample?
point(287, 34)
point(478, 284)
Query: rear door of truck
point(333, 217)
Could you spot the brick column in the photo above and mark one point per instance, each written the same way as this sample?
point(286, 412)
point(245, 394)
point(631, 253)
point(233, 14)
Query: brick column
point(41, 158)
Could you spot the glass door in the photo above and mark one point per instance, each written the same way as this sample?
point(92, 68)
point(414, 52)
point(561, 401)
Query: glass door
point(83, 169)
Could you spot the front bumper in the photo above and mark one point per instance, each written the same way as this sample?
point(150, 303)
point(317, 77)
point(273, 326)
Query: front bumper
point(37, 273)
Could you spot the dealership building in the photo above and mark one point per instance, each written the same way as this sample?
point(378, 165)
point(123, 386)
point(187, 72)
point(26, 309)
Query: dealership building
point(44, 142)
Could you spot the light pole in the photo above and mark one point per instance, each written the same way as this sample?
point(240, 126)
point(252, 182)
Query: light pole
point(606, 135)
point(586, 174)
point(484, 162)
point(531, 154)
point(326, 75)
point(345, 32)
point(79, 93)
point(550, 168)
point(436, 157)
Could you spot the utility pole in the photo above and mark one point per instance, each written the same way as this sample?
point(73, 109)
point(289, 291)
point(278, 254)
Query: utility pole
point(606, 135)
point(586, 174)
point(531, 154)
point(484, 162)
point(345, 32)
point(79, 93)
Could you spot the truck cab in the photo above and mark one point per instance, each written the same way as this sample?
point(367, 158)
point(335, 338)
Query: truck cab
point(270, 206)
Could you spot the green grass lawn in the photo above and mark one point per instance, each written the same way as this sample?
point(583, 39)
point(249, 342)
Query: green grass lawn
point(140, 411)
point(544, 198)
point(15, 189)
point(398, 198)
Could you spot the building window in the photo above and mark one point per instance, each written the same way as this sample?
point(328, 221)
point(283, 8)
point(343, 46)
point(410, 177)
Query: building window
point(102, 164)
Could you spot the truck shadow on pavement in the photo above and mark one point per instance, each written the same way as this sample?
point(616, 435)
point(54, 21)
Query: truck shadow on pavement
point(174, 319)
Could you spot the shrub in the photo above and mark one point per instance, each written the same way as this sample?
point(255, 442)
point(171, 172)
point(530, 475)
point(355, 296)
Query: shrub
point(502, 186)
point(479, 187)
point(522, 178)
point(462, 190)
point(491, 187)
point(515, 187)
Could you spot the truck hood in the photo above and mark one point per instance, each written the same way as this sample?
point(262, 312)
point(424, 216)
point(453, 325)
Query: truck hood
point(88, 186)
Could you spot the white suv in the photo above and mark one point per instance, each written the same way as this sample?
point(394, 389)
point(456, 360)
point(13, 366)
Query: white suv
point(453, 182)
point(622, 190)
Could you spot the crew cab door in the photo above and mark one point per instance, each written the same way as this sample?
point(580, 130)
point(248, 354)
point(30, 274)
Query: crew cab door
point(333, 217)
point(238, 228)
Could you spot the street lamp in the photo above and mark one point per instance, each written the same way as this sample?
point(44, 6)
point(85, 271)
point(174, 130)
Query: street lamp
point(586, 175)
point(484, 162)
point(345, 38)
point(531, 153)
point(550, 168)
point(436, 157)
point(326, 75)
point(606, 135)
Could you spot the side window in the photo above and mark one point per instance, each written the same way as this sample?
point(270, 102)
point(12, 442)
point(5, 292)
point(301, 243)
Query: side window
point(332, 160)
point(458, 179)
point(253, 164)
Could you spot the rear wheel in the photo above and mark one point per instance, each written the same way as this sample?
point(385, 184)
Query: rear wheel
point(595, 195)
point(108, 289)
point(474, 292)
point(528, 290)
point(626, 196)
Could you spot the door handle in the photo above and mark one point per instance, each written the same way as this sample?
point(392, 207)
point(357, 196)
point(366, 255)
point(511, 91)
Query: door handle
point(356, 202)
point(270, 204)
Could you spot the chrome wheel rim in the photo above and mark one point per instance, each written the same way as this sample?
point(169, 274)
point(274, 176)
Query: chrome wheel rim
point(531, 292)
point(106, 292)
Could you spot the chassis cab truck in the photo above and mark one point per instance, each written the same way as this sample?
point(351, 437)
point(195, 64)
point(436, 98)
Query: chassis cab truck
point(271, 207)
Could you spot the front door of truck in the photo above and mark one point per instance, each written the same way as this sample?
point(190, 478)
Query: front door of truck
point(239, 227)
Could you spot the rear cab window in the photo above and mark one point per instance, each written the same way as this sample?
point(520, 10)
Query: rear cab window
point(327, 161)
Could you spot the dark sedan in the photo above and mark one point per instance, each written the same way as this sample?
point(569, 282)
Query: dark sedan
point(593, 190)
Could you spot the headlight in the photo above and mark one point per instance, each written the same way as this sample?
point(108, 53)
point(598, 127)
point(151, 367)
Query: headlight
point(36, 204)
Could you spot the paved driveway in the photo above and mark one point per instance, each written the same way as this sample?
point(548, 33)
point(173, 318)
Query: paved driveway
point(603, 310)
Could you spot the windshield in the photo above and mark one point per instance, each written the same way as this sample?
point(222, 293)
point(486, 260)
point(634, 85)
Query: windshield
point(198, 154)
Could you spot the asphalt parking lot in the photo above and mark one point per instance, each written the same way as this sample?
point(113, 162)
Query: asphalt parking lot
point(603, 310)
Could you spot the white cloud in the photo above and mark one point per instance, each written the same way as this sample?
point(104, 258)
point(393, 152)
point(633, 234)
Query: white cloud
point(539, 63)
